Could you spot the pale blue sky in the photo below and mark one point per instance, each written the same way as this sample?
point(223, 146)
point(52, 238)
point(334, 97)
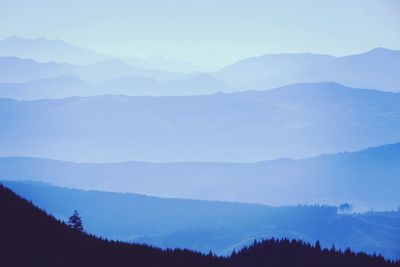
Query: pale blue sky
point(208, 32)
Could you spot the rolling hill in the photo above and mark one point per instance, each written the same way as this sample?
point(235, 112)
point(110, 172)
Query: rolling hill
point(18, 70)
point(378, 68)
point(358, 178)
point(56, 87)
point(68, 86)
point(295, 121)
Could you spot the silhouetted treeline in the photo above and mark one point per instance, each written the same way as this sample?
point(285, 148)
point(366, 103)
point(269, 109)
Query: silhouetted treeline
point(287, 252)
point(30, 237)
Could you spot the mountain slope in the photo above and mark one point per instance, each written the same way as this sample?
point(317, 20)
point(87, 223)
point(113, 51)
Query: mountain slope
point(29, 237)
point(18, 70)
point(197, 221)
point(45, 50)
point(68, 86)
point(358, 177)
point(378, 68)
point(199, 84)
point(57, 87)
point(297, 121)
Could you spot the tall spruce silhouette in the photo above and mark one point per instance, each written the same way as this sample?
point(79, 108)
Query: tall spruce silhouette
point(75, 222)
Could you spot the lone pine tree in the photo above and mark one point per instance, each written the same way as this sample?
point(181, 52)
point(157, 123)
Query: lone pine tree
point(75, 222)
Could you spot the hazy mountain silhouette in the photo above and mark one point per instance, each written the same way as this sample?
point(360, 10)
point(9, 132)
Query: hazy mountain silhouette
point(138, 85)
point(45, 50)
point(17, 70)
point(358, 178)
point(216, 226)
point(68, 86)
point(57, 87)
point(165, 63)
point(113, 68)
point(378, 68)
point(294, 121)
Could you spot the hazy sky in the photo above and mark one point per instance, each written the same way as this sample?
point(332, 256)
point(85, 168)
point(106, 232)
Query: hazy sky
point(208, 32)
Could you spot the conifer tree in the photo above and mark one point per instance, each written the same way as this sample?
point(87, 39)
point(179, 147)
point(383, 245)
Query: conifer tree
point(318, 245)
point(75, 222)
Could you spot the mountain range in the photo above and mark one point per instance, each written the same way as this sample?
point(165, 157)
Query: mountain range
point(295, 121)
point(23, 60)
point(47, 50)
point(268, 146)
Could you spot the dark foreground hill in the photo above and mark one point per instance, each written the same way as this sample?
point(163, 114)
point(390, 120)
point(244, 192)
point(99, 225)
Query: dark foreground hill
point(30, 237)
point(211, 225)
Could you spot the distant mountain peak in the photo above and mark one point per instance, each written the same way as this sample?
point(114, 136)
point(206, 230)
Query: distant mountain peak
point(380, 49)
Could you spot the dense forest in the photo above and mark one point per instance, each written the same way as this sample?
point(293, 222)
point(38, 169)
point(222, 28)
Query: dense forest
point(30, 237)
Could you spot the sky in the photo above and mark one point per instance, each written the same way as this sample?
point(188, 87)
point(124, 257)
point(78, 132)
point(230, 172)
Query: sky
point(208, 32)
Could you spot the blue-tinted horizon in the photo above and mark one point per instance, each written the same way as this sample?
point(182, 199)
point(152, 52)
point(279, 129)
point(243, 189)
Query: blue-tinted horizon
point(211, 33)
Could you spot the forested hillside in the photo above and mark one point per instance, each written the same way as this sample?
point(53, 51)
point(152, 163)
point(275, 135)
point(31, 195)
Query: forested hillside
point(30, 237)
